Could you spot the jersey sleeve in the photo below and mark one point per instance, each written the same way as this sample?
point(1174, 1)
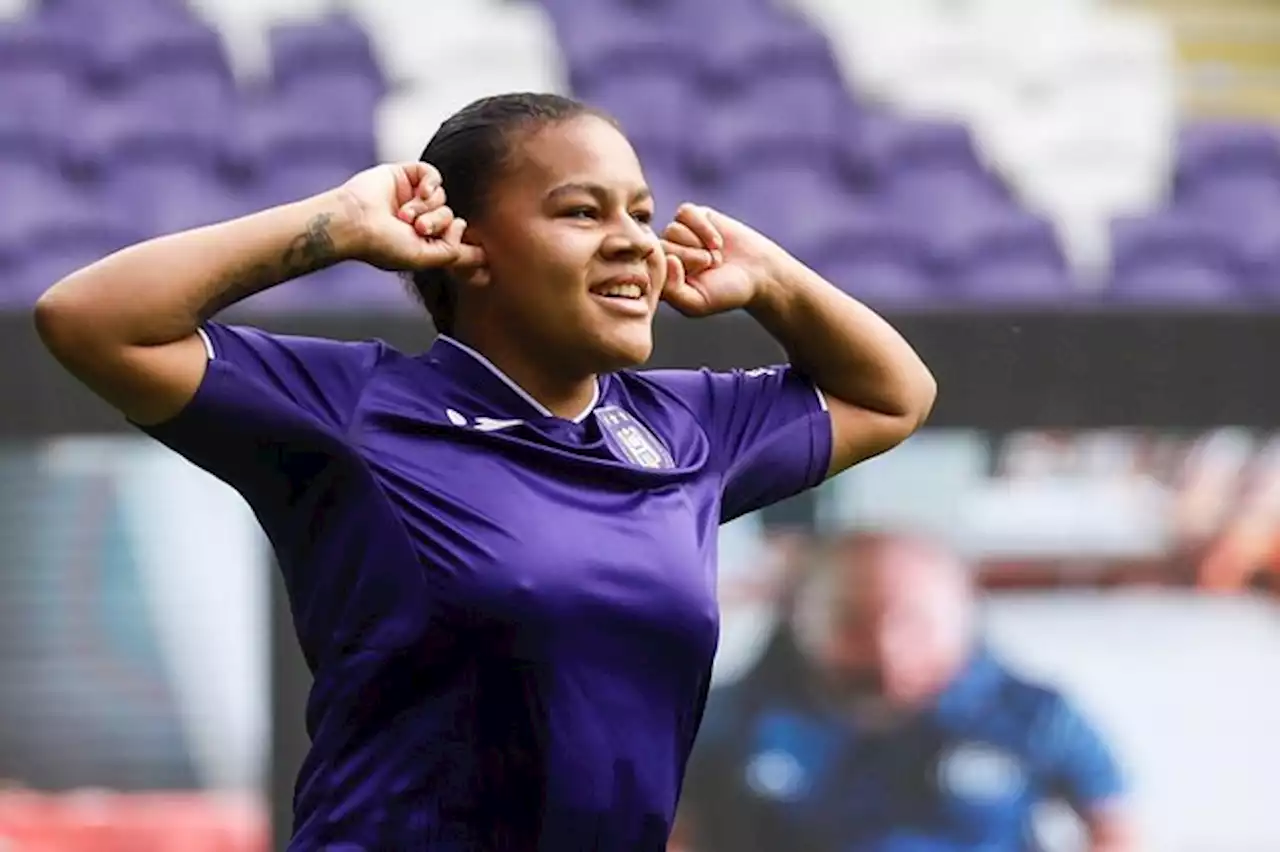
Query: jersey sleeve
point(266, 401)
point(769, 430)
point(1081, 766)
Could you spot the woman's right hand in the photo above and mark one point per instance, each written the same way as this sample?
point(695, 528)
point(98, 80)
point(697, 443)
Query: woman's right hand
point(403, 221)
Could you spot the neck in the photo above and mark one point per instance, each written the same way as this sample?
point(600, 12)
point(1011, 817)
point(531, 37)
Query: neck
point(561, 392)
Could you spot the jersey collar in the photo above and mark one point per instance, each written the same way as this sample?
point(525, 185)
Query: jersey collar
point(971, 687)
point(474, 367)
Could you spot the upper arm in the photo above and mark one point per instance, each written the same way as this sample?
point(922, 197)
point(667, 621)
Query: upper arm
point(266, 402)
point(769, 430)
point(148, 384)
point(858, 434)
point(1081, 766)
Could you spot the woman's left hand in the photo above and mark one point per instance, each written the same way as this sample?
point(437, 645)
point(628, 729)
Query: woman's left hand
point(715, 263)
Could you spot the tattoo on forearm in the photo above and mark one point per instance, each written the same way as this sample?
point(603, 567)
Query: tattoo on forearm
point(309, 251)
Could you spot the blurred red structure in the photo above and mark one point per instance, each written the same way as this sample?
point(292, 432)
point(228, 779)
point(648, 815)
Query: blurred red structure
point(101, 821)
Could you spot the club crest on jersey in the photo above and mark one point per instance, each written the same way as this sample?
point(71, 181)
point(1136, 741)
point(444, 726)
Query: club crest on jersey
point(980, 772)
point(629, 439)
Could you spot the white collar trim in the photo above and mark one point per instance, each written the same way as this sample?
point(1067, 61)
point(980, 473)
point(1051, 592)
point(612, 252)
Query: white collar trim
point(519, 391)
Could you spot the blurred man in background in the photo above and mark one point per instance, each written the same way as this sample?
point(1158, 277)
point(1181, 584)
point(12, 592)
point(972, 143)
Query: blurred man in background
point(892, 728)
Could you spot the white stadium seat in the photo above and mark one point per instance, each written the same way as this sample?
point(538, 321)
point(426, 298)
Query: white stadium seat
point(470, 46)
point(10, 9)
point(244, 27)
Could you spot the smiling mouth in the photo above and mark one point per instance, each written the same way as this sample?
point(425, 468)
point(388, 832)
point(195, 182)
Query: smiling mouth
point(620, 291)
point(630, 289)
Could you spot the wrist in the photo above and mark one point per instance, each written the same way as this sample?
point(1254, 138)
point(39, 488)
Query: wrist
point(346, 222)
point(774, 282)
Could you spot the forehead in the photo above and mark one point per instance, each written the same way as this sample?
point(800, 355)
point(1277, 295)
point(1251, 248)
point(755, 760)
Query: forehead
point(897, 571)
point(586, 149)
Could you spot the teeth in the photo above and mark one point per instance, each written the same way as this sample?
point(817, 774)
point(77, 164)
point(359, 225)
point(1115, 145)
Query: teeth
point(626, 291)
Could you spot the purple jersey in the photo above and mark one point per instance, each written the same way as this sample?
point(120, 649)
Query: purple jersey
point(510, 616)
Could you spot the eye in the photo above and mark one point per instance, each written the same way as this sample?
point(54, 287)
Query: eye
point(582, 213)
point(644, 217)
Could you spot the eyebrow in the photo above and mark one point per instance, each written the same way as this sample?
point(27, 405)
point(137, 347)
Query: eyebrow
point(597, 191)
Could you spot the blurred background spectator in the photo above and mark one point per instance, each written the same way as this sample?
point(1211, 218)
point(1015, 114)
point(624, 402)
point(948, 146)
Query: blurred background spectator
point(878, 719)
point(1071, 206)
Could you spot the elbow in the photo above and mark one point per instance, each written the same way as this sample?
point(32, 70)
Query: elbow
point(924, 393)
point(62, 322)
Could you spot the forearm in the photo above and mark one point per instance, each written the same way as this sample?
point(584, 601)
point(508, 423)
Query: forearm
point(849, 351)
point(159, 291)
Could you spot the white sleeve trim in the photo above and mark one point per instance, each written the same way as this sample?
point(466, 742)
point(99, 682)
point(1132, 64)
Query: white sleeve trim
point(822, 398)
point(208, 345)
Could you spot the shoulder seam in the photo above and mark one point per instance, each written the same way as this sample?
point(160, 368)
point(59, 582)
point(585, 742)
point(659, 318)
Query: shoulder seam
point(379, 350)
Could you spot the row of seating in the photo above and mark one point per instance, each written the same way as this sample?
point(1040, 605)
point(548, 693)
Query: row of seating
point(162, 134)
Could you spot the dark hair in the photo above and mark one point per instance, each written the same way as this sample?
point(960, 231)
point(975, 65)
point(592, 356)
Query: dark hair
point(470, 150)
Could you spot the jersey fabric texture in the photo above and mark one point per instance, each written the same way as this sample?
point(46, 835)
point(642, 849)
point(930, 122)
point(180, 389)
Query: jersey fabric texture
point(773, 771)
point(510, 616)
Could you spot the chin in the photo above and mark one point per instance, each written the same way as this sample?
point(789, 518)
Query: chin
point(624, 350)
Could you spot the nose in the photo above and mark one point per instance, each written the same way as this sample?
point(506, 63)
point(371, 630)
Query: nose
point(629, 240)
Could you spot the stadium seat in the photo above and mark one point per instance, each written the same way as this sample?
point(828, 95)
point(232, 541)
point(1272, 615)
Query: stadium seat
point(618, 42)
point(320, 55)
point(797, 121)
point(1223, 166)
point(873, 254)
point(950, 116)
point(789, 202)
point(60, 233)
point(476, 47)
point(1174, 259)
point(764, 44)
point(244, 28)
point(1003, 256)
point(126, 54)
point(662, 113)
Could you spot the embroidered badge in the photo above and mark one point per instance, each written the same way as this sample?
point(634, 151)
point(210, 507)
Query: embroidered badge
point(629, 439)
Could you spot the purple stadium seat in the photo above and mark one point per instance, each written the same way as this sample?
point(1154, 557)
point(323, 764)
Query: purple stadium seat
point(159, 46)
point(1232, 194)
point(798, 122)
point(670, 189)
point(94, 12)
point(660, 112)
point(37, 108)
point(196, 201)
point(322, 53)
point(60, 232)
point(792, 205)
point(34, 44)
point(1001, 255)
point(770, 44)
point(942, 193)
point(914, 160)
point(601, 42)
point(306, 133)
point(1174, 259)
point(1225, 166)
point(338, 288)
point(871, 253)
point(286, 180)
point(1210, 147)
point(42, 74)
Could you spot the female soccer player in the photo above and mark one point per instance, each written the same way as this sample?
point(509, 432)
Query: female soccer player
point(500, 554)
